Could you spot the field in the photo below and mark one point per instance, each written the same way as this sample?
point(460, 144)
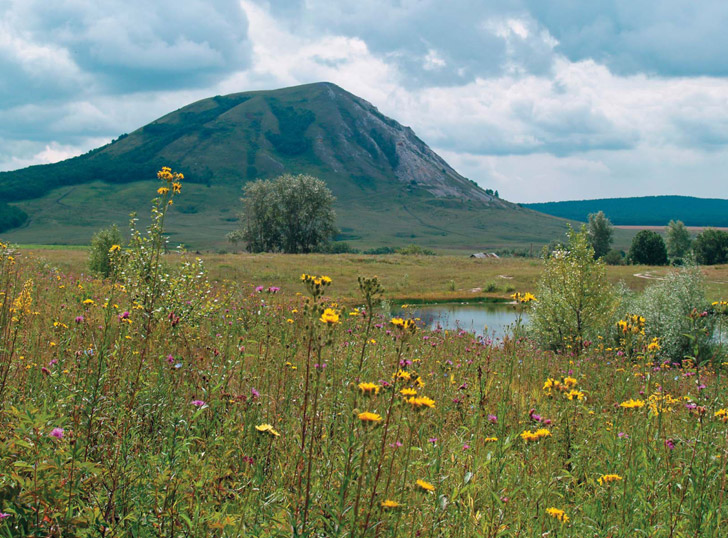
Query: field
point(161, 402)
point(404, 278)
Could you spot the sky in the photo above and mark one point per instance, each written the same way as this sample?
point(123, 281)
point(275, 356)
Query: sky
point(540, 100)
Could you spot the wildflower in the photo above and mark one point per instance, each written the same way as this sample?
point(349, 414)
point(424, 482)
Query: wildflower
point(523, 297)
point(267, 428)
point(607, 478)
point(369, 388)
point(57, 433)
point(669, 444)
point(408, 392)
point(198, 403)
point(574, 394)
point(176, 187)
point(432, 440)
point(389, 504)
point(493, 419)
point(722, 414)
point(421, 401)
point(403, 375)
point(529, 436)
point(330, 317)
point(89, 302)
point(654, 345)
point(631, 404)
point(254, 392)
point(366, 416)
point(114, 248)
point(425, 485)
point(3, 515)
point(490, 439)
point(79, 319)
point(162, 190)
point(556, 513)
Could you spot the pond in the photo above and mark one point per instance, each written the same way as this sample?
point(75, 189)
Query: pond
point(484, 319)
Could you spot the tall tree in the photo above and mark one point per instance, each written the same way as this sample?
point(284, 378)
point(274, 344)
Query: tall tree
point(711, 246)
point(292, 214)
point(648, 248)
point(601, 233)
point(678, 240)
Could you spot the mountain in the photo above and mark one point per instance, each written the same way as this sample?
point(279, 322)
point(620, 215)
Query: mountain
point(391, 188)
point(644, 210)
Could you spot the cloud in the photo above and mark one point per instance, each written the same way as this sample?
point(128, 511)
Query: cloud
point(663, 37)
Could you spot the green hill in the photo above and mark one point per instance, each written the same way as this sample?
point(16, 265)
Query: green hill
point(391, 188)
point(643, 211)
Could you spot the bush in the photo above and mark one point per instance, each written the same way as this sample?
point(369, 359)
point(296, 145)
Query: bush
point(667, 306)
point(711, 247)
point(99, 260)
point(574, 299)
point(614, 257)
point(415, 250)
point(648, 248)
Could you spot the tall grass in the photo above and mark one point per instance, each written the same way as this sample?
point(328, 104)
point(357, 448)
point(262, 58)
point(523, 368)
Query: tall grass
point(169, 406)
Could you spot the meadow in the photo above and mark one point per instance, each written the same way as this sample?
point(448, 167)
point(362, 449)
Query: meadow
point(171, 400)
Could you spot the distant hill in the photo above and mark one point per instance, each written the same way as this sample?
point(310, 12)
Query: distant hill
point(391, 188)
point(644, 210)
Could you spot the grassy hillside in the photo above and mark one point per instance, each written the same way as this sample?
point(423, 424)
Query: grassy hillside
point(646, 210)
point(391, 188)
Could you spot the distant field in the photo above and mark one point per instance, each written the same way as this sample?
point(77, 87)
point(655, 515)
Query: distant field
point(428, 278)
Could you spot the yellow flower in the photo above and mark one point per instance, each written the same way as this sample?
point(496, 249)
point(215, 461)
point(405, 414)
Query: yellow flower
point(397, 322)
point(425, 485)
point(89, 302)
point(115, 248)
point(401, 374)
point(177, 187)
point(556, 513)
point(369, 388)
point(163, 190)
point(722, 414)
point(607, 478)
point(654, 345)
point(329, 317)
point(631, 404)
point(570, 382)
point(574, 394)
point(490, 439)
point(408, 392)
point(267, 428)
point(421, 401)
point(366, 416)
point(388, 503)
point(529, 436)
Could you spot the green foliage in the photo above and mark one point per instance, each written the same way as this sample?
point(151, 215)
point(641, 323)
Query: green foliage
point(601, 233)
point(292, 124)
point(575, 301)
point(678, 240)
point(614, 257)
point(291, 214)
point(415, 250)
point(648, 248)
point(711, 247)
point(667, 307)
point(11, 217)
point(99, 258)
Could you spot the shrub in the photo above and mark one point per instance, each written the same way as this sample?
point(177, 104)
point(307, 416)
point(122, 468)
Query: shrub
point(648, 248)
point(711, 247)
point(667, 307)
point(574, 299)
point(99, 260)
point(415, 250)
point(614, 257)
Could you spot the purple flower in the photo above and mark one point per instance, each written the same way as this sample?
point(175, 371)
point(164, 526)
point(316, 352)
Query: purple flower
point(701, 387)
point(432, 440)
point(3, 515)
point(170, 358)
point(669, 444)
point(45, 371)
point(125, 315)
point(493, 419)
point(466, 446)
point(274, 289)
point(259, 288)
point(79, 319)
point(198, 403)
point(57, 433)
point(255, 393)
point(622, 435)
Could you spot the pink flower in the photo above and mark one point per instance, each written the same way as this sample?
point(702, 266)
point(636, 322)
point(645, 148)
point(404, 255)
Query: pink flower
point(259, 288)
point(3, 515)
point(79, 319)
point(198, 403)
point(492, 419)
point(57, 433)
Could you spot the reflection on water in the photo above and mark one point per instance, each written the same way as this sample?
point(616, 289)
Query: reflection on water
point(484, 319)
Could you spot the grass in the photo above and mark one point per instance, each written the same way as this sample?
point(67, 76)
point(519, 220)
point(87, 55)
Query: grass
point(245, 414)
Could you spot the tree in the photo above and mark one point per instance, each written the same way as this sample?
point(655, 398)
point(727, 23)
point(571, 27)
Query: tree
point(648, 248)
point(574, 299)
point(678, 240)
point(601, 233)
point(293, 214)
point(99, 259)
point(711, 247)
